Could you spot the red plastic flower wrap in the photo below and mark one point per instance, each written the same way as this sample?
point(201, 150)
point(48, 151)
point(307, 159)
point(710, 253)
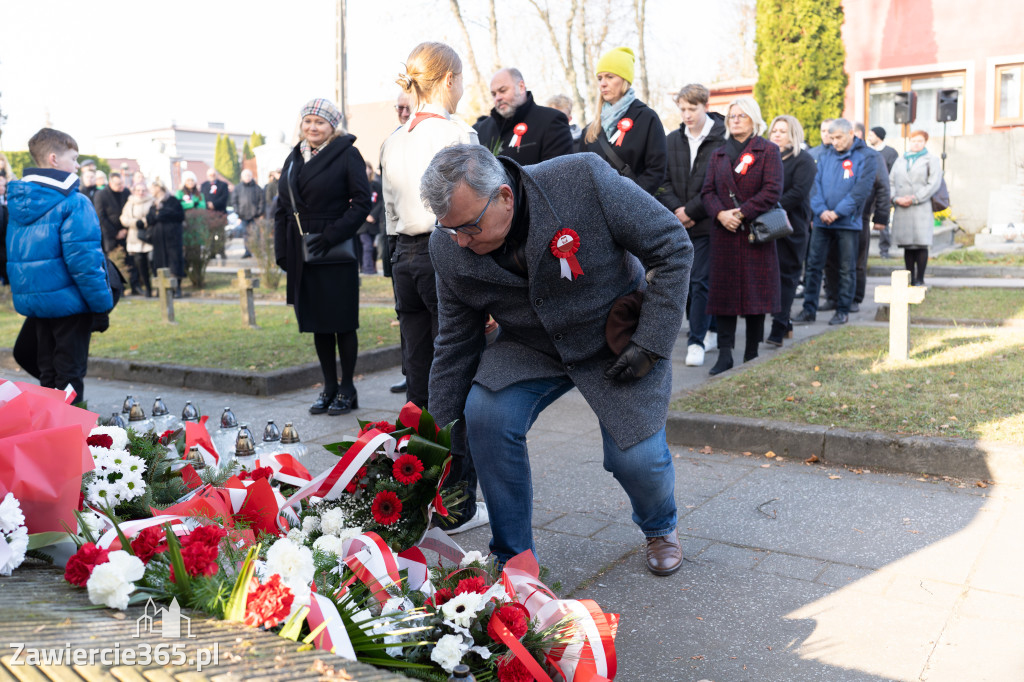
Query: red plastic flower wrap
point(514, 616)
point(382, 426)
point(79, 567)
point(100, 440)
point(199, 550)
point(149, 542)
point(268, 604)
point(408, 469)
point(475, 585)
point(513, 670)
point(256, 474)
point(387, 508)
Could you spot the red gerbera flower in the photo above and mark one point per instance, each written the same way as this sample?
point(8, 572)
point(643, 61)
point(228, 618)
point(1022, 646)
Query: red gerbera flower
point(100, 440)
point(268, 604)
point(148, 543)
point(441, 597)
point(513, 670)
point(475, 585)
point(514, 616)
point(79, 567)
point(407, 469)
point(381, 426)
point(387, 508)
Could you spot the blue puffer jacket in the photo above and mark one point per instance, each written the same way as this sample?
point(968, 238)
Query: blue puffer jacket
point(54, 258)
point(843, 183)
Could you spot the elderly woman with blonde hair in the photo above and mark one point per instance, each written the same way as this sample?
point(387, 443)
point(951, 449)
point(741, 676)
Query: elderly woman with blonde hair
point(744, 180)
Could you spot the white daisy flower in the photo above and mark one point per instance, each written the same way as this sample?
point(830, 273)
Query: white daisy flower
point(462, 608)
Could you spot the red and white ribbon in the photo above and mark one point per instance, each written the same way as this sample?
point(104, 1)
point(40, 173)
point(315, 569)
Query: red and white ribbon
point(182, 526)
point(622, 127)
point(333, 638)
point(847, 169)
point(197, 435)
point(564, 246)
point(745, 161)
point(517, 134)
point(286, 469)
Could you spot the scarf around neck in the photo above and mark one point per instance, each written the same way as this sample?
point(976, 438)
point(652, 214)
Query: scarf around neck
point(911, 157)
point(611, 113)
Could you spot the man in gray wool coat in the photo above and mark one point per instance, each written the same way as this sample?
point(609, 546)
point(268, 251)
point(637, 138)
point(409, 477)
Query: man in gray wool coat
point(547, 250)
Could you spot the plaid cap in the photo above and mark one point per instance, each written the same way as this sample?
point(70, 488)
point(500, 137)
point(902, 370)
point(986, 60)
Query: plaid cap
point(324, 108)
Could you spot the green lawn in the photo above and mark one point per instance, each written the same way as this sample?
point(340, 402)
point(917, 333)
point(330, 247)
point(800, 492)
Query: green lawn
point(372, 289)
point(212, 335)
point(958, 257)
point(962, 383)
point(970, 304)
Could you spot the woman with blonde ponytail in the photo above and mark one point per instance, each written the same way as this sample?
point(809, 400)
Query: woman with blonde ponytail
point(625, 132)
point(433, 81)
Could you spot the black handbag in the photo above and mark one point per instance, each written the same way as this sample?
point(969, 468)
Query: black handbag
point(343, 252)
point(771, 225)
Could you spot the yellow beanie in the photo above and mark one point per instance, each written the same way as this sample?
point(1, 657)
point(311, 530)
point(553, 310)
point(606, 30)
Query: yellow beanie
point(619, 61)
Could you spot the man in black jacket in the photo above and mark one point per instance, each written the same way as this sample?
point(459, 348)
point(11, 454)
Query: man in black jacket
point(248, 202)
point(876, 140)
point(215, 192)
point(518, 127)
point(108, 203)
point(689, 149)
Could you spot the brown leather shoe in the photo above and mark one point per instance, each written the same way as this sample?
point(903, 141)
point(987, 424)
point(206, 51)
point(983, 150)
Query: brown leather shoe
point(664, 554)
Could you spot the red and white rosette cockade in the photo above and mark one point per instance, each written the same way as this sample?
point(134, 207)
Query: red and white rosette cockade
point(564, 246)
point(745, 162)
point(847, 169)
point(622, 127)
point(517, 134)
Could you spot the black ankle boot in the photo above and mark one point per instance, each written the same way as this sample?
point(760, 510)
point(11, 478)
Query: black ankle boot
point(343, 404)
point(323, 401)
point(778, 332)
point(724, 361)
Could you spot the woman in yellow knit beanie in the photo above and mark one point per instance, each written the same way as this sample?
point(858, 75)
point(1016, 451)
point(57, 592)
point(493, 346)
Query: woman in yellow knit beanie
point(625, 132)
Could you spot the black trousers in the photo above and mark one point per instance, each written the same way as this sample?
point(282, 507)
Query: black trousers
point(832, 266)
point(416, 305)
point(62, 351)
point(792, 251)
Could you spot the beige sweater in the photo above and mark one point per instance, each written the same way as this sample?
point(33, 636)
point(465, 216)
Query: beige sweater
point(136, 209)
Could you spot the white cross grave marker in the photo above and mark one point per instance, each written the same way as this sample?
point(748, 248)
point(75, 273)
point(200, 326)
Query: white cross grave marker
point(245, 284)
point(165, 285)
point(899, 295)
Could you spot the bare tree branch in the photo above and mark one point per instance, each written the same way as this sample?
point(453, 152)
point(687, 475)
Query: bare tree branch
point(563, 51)
point(495, 59)
point(640, 14)
point(481, 87)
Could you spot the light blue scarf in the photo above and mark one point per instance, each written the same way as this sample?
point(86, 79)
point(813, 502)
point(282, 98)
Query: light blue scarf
point(611, 113)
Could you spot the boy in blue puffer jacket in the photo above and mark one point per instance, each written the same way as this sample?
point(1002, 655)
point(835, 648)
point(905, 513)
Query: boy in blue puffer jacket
point(55, 260)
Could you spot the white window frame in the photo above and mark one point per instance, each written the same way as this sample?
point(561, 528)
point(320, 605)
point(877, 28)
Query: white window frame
point(991, 64)
point(968, 67)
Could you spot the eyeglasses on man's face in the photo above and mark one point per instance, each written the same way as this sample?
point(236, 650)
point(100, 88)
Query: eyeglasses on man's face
point(469, 228)
point(402, 109)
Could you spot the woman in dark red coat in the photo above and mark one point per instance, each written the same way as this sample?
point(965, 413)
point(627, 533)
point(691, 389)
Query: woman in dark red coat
point(744, 180)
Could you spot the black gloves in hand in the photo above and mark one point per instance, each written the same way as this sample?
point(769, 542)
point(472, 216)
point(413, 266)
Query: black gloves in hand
point(139, 224)
point(100, 322)
point(283, 264)
point(633, 363)
point(318, 245)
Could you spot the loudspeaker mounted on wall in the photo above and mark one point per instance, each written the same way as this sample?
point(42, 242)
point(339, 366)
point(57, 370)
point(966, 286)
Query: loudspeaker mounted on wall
point(905, 107)
point(946, 105)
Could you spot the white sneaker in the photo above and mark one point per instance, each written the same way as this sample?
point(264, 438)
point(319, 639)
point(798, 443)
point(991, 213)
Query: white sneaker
point(480, 518)
point(694, 355)
point(710, 341)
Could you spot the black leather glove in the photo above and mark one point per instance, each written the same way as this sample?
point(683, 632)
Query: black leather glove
point(283, 264)
point(318, 245)
point(100, 322)
point(139, 224)
point(634, 363)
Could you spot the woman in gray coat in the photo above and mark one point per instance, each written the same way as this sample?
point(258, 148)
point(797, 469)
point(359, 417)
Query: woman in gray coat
point(912, 182)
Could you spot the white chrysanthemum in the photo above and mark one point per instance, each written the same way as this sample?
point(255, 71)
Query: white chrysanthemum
point(17, 543)
point(93, 522)
point(116, 433)
point(11, 517)
point(462, 608)
point(310, 524)
point(329, 543)
point(119, 459)
point(292, 561)
point(101, 458)
point(112, 583)
point(134, 465)
point(130, 486)
point(448, 652)
point(101, 492)
point(332, 522)
point(472, 557)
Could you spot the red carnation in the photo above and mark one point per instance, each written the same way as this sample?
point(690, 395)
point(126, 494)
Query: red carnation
point(387, 508)
point(514, 616)
point(149, 542)
point(441, 597)
point(513, 670)
point(268, 604)
point(256, 474)
point(475, 585)
point(199, 550)
point(100, 440)
point(79, 567)
point(407, 469)
point(381, 426)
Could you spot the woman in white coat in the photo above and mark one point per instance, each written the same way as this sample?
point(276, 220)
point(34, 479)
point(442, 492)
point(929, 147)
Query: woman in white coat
point(133, 216)
point(912, 182)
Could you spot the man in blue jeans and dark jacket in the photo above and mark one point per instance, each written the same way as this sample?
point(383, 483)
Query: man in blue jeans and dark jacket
point(846, 174)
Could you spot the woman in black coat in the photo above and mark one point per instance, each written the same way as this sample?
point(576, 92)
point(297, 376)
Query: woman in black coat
point(797, 182)
point(166, 220)
point(372, 227)
point(324, 183)
point(627, 134)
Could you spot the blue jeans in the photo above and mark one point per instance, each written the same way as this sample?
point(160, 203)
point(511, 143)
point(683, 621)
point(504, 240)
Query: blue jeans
point(698, 302)
point(496, 425)
point(847, 242)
